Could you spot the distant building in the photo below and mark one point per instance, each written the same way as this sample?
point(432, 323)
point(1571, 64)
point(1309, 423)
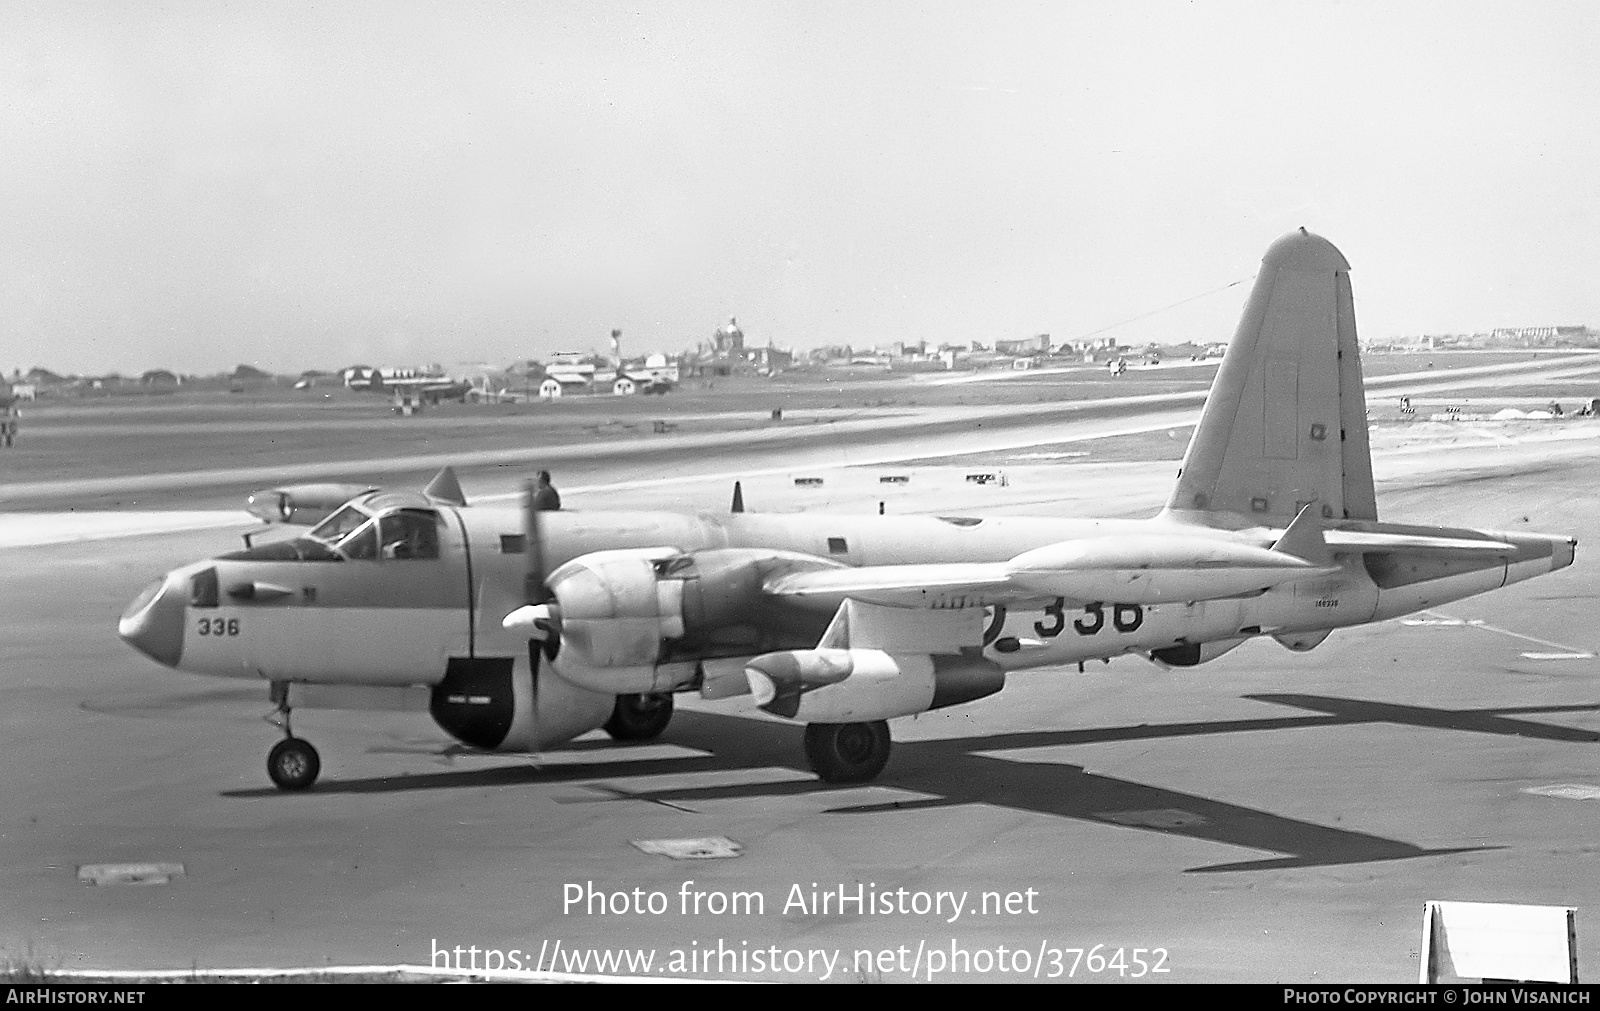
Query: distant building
point(831, 353)
point(45, 378)
point(1038, 344)
point(1540, 334)
point(315, 377)
point(574, 373)
point(771, 359)
point(656, 370)
point(728, 339)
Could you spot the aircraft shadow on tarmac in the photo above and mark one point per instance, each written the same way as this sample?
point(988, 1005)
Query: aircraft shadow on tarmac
point(953, 771)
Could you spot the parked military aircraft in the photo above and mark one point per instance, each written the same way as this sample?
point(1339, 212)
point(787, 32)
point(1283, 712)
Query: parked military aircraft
point(526, 629)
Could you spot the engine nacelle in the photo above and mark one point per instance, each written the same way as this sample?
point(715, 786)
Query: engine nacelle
point(620, 612)
point(616, 606)
point(863, 685)
point(489, 703)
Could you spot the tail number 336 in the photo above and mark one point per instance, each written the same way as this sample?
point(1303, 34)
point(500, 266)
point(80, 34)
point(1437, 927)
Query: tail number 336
point(218, 626)
point(1124, 618)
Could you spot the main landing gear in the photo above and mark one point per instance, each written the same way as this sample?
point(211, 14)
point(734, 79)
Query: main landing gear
point(292, 764)
point(640, 717)
point(848, 752)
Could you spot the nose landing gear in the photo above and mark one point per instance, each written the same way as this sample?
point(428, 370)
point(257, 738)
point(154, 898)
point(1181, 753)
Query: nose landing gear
point(292, 764)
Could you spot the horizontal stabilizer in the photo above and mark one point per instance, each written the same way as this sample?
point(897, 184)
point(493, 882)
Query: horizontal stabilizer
point(1363, 541)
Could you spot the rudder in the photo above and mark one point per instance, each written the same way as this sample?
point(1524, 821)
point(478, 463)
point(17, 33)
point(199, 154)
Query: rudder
point(1285, 423)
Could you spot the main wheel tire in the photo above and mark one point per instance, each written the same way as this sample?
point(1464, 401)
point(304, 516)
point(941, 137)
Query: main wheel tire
point(293, 764)
point(848, 752)
point(640, 717)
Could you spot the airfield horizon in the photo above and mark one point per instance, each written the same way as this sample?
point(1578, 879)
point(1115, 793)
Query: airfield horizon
point(208, 449)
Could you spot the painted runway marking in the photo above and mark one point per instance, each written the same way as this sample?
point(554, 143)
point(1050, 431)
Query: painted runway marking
point(1167, 817)
point(858, 463)
point(1567, 791)
point(710, 848)
point(1561, 650)
point(129, 874)
point(25, 530)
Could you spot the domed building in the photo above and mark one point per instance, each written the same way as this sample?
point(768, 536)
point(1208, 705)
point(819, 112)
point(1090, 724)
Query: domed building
point(729, 339)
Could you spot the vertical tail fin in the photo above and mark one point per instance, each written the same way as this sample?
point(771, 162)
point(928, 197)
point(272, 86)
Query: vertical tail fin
point(1285, 424)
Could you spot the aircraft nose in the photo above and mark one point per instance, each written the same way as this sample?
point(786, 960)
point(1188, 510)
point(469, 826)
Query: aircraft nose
point(153, 622)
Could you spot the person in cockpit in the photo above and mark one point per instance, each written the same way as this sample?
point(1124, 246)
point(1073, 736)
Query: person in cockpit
point(409, 534)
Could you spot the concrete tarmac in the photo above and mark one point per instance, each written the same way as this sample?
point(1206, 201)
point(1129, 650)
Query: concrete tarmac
point(1266, 817)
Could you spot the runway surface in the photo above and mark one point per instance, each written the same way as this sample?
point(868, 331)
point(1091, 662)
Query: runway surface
point(1266, 817)
point(822, 436)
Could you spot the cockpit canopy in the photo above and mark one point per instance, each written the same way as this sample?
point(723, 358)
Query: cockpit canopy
point(390, 527)
point(375, 528)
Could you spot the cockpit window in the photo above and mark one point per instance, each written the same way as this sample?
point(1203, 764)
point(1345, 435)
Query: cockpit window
point(336, 527)
point(361, 545)
point(408, 534)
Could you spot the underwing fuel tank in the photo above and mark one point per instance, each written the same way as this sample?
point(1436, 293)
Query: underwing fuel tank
point(1156, 569)
point(862, 685)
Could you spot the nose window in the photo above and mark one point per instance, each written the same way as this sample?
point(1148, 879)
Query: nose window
point(144, 598)
point(203, 589)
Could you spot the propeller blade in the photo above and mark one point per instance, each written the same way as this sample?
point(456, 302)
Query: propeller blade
point(738, 498)
point(534, 589)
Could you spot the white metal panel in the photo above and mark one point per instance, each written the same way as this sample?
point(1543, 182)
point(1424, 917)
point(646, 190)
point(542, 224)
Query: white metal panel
point(1495, 940)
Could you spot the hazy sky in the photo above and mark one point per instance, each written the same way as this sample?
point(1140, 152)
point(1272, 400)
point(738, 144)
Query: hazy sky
point(310, 185)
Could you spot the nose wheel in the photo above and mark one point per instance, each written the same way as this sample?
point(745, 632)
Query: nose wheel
point(292, 764)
